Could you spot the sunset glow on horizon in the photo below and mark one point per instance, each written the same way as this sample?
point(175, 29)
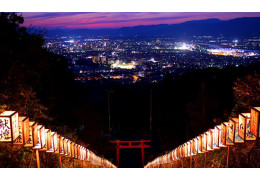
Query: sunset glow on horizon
point(97, 20)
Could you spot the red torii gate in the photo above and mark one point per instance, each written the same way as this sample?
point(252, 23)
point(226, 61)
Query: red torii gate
point(137, 144)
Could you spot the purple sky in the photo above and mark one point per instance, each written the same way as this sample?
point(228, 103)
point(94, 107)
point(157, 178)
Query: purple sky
point(121, 19)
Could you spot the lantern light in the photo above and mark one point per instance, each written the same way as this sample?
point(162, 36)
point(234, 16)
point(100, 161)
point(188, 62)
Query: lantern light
point(9, 126)
point(255, 121)
point(61, 144)
point(30, 142)
point(56, 143)
point(23, 131)
point(50, 142)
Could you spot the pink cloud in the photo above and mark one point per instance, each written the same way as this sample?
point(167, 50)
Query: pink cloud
point(121, 19)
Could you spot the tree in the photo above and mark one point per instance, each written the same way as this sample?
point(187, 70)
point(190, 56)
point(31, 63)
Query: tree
point(247, 93)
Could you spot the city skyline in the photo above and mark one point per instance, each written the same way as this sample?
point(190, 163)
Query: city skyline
point(99, 20)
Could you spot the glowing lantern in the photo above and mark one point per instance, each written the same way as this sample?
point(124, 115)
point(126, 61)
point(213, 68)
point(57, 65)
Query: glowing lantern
point(66, 147)
point(9, 126)
point(172, 156)
point(83, 153)
point(216, 137)
point(242, 121)
point(176, 154)
point(230, 132)
point(191, 148)
point(56, 140)
point(223, 134)
point(79, 152)
point(188, 147)
point(204, 142)
point(180, 152)
point(164, 159)
point(45, 138)
point(210, 139)
point(38, 135)
point(26, 130)
point(30, 141)
point(237, 138)
point(255, 122)
point(199, 144)
point(194, 149)
point(50, 142)
point(72, 149)
point(61, 144)
point(183, 150)
point(23, 131)
point(76, 151)
point(249, 134)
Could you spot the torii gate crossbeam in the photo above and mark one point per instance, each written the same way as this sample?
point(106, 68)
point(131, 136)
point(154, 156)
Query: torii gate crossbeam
point(131, 144)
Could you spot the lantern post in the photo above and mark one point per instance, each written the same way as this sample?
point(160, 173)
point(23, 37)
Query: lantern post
point(228, 156)
point(190, 161)
point(60, 161)
point(205, 162)
point(37, 158)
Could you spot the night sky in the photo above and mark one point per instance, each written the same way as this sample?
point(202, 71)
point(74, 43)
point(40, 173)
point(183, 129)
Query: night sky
point(94, 20)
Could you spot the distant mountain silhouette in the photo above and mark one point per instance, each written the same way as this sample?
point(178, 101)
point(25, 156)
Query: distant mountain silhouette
point(247, 26)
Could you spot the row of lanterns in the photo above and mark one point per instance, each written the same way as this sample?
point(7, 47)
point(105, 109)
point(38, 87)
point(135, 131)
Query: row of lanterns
point(19, 130)
point(236, 130)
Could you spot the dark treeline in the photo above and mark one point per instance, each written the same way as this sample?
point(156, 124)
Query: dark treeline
point(37, 83)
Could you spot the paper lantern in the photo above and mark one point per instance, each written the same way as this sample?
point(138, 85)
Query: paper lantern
point(210, 133)
point(237, 138)
point(19, 139)
point(194, 149)
point(216, 137)
point(30, 141)
point(79, 152)
point(50, 142)
point(173, 155)
point(61, 144)
point(165, 159)
point(242, 121)
point(231, 132)
point(204, 142)
point(255, 122)
point(189, 148)
point(223, 134)
point(182, 151)
point(72, 147)
point(45, 138)
point(66, 147)
point(199, 139)
point(69, 148)
point(56, 143)
point(249, 135)
point(66, 152)
point(37, 134)
point(9, 126)
point(83, 153)
point(76, 151)
point(23, 131)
